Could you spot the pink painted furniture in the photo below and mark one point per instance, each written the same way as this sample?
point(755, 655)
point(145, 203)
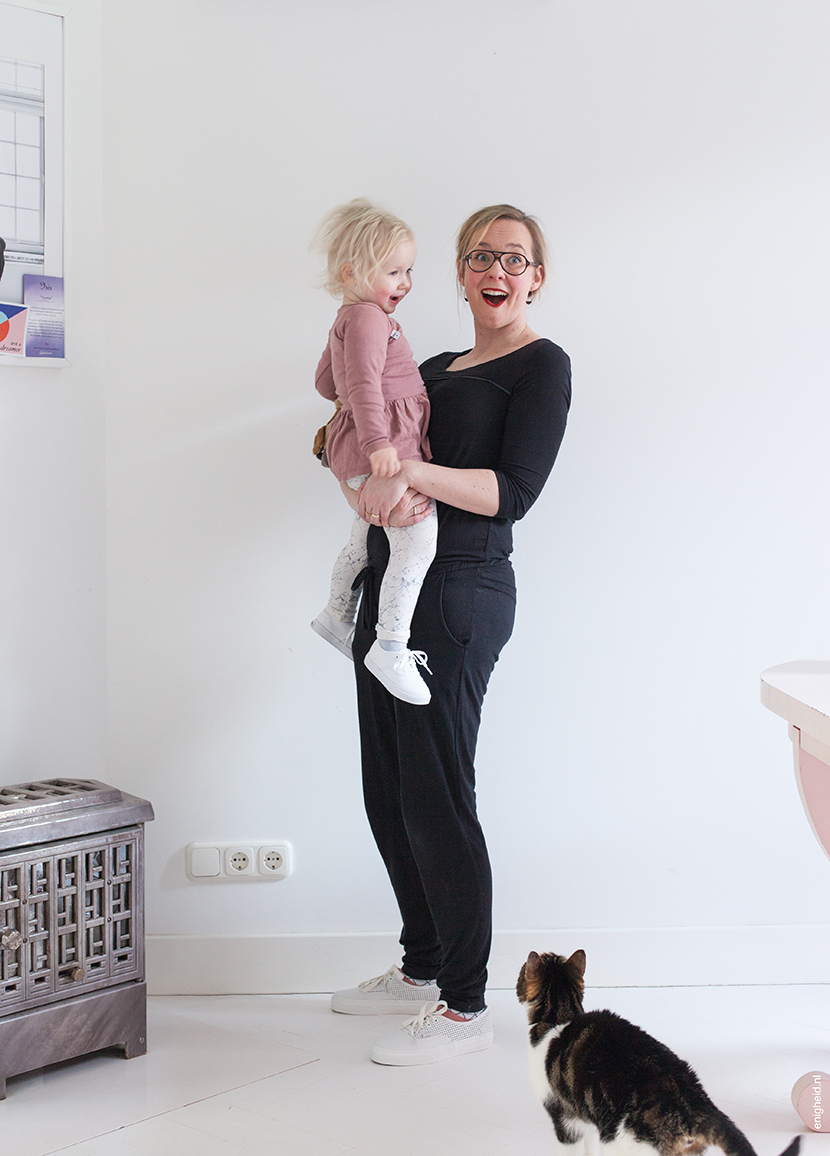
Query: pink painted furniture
point(800, 693)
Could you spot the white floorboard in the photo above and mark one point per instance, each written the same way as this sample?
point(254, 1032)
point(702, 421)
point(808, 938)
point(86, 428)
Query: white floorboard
point(283, 1075)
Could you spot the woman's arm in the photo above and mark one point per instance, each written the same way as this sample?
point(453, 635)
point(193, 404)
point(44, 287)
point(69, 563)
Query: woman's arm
point(350, 495)
point(476, 491)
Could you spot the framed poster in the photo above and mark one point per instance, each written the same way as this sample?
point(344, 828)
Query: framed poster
point(31, 171)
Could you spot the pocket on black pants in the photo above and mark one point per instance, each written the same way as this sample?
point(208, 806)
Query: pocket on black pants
point(458, 603)
point(471, 592)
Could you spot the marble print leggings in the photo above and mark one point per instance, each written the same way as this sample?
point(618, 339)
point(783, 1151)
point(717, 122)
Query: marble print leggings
point(411, 551)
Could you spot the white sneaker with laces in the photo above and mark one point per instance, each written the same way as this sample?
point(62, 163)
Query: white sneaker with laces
point(387, 994)
point(398, 671)
point(431, 1036)
point(335, 631)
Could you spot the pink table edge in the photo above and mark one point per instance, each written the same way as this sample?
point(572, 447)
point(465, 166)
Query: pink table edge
point(800, 693)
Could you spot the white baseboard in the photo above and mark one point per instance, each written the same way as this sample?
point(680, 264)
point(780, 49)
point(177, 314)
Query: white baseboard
point(617, 957)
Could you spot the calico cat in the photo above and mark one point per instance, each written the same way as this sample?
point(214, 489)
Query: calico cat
point(607, 1085)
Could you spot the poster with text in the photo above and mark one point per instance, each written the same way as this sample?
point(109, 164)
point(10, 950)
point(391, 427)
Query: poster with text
point(13, 329)
point(31, 146)
point(44, 329)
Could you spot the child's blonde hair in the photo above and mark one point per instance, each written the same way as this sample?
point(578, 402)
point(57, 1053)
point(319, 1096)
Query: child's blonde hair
point(361, 235)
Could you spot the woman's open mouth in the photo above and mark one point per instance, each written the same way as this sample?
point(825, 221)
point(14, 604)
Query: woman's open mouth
point(494, 297)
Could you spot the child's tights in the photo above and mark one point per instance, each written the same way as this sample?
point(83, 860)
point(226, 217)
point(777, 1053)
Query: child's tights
point(411, 550)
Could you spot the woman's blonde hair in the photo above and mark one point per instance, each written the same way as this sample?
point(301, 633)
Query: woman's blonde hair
point(472, 231)
point(361, 235)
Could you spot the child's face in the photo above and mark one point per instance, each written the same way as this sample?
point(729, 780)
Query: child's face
point(391, 283)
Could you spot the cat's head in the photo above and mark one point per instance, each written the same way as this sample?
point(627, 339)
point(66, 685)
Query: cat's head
point(552, 986)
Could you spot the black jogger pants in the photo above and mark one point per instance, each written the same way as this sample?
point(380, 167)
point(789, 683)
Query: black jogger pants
point(418, 772)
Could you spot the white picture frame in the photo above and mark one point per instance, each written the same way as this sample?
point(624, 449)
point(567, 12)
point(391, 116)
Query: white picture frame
point(31, 149)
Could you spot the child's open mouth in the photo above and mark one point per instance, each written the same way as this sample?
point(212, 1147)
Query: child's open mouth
point(494, 297)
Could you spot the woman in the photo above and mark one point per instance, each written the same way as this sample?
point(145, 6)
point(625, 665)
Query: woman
point(498, 414)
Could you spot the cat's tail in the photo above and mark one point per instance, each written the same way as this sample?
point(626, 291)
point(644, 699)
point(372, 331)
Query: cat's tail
point(731, 1139)
point(793, 1147)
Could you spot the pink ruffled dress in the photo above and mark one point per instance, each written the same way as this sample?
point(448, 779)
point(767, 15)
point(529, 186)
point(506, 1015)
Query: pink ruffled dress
point(369, 366)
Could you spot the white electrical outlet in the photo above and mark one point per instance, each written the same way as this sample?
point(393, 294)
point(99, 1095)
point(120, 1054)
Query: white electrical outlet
point(246, 859)
point(239, 860)
point(274, 860)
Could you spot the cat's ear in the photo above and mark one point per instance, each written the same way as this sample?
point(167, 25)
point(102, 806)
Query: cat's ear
point(532, 972)
point(577, 965)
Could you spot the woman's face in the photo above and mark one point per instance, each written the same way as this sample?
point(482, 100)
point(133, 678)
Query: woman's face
point(498, 299)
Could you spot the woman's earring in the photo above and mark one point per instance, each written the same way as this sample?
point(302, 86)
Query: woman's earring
point(466, 298)
point(530, 299)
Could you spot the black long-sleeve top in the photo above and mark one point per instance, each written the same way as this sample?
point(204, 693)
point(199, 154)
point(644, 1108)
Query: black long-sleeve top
point(507, 415)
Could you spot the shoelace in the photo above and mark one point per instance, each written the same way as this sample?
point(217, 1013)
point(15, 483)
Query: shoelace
point(428, 1011)
point(413, 656)
point(378, 981)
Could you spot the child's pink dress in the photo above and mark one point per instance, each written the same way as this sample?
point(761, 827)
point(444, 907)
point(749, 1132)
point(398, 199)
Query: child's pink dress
point(369, 366)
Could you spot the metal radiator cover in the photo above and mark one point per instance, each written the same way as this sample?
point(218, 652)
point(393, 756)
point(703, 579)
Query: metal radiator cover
point(71, 922)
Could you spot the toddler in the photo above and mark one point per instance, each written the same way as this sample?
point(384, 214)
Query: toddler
point(368, 366)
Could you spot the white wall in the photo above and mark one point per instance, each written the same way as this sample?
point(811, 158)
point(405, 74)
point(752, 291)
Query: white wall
point(52, 578)
point(629, 777)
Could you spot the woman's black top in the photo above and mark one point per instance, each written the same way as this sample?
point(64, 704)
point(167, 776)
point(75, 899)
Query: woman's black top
point(508, 416)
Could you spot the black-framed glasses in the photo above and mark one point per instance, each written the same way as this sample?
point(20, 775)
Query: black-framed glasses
point(514, 264)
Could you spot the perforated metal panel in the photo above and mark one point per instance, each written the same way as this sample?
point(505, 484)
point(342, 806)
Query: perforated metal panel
point(71, 913)
point(74, 912)
point(49, 796)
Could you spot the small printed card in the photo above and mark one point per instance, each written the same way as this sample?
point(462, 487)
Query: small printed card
point(43, 296)
point(13, 329)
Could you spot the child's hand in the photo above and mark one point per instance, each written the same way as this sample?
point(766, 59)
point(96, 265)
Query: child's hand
point(385, 463)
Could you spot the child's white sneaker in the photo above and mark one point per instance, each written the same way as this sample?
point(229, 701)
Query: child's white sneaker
point(398, 671)
point(335, 631)
point(432, 1036)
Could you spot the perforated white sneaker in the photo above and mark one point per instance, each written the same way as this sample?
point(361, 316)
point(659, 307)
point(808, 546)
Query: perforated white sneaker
point(398, 671)
point(387, 994)
point(430, 1036)
point(335, 631)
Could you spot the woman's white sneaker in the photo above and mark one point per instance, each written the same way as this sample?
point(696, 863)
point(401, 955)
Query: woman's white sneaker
point(431, 1036)
point(398, 671)
point(387, 994)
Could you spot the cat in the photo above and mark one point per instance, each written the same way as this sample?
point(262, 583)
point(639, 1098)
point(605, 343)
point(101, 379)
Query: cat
point(607, 1085)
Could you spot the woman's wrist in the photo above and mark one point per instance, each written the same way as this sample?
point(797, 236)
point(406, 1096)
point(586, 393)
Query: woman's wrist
point(408, 471)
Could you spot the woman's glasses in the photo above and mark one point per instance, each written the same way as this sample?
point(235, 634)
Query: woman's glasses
point(515, 264)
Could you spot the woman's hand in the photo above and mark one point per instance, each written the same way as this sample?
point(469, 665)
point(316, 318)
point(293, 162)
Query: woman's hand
point(411, 509)
point(378, 497)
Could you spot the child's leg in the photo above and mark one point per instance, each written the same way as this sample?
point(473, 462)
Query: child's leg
point(351, 560)
point(411, 550)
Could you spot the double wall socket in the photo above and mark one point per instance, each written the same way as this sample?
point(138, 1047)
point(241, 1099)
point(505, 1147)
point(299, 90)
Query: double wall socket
point(247, 859)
